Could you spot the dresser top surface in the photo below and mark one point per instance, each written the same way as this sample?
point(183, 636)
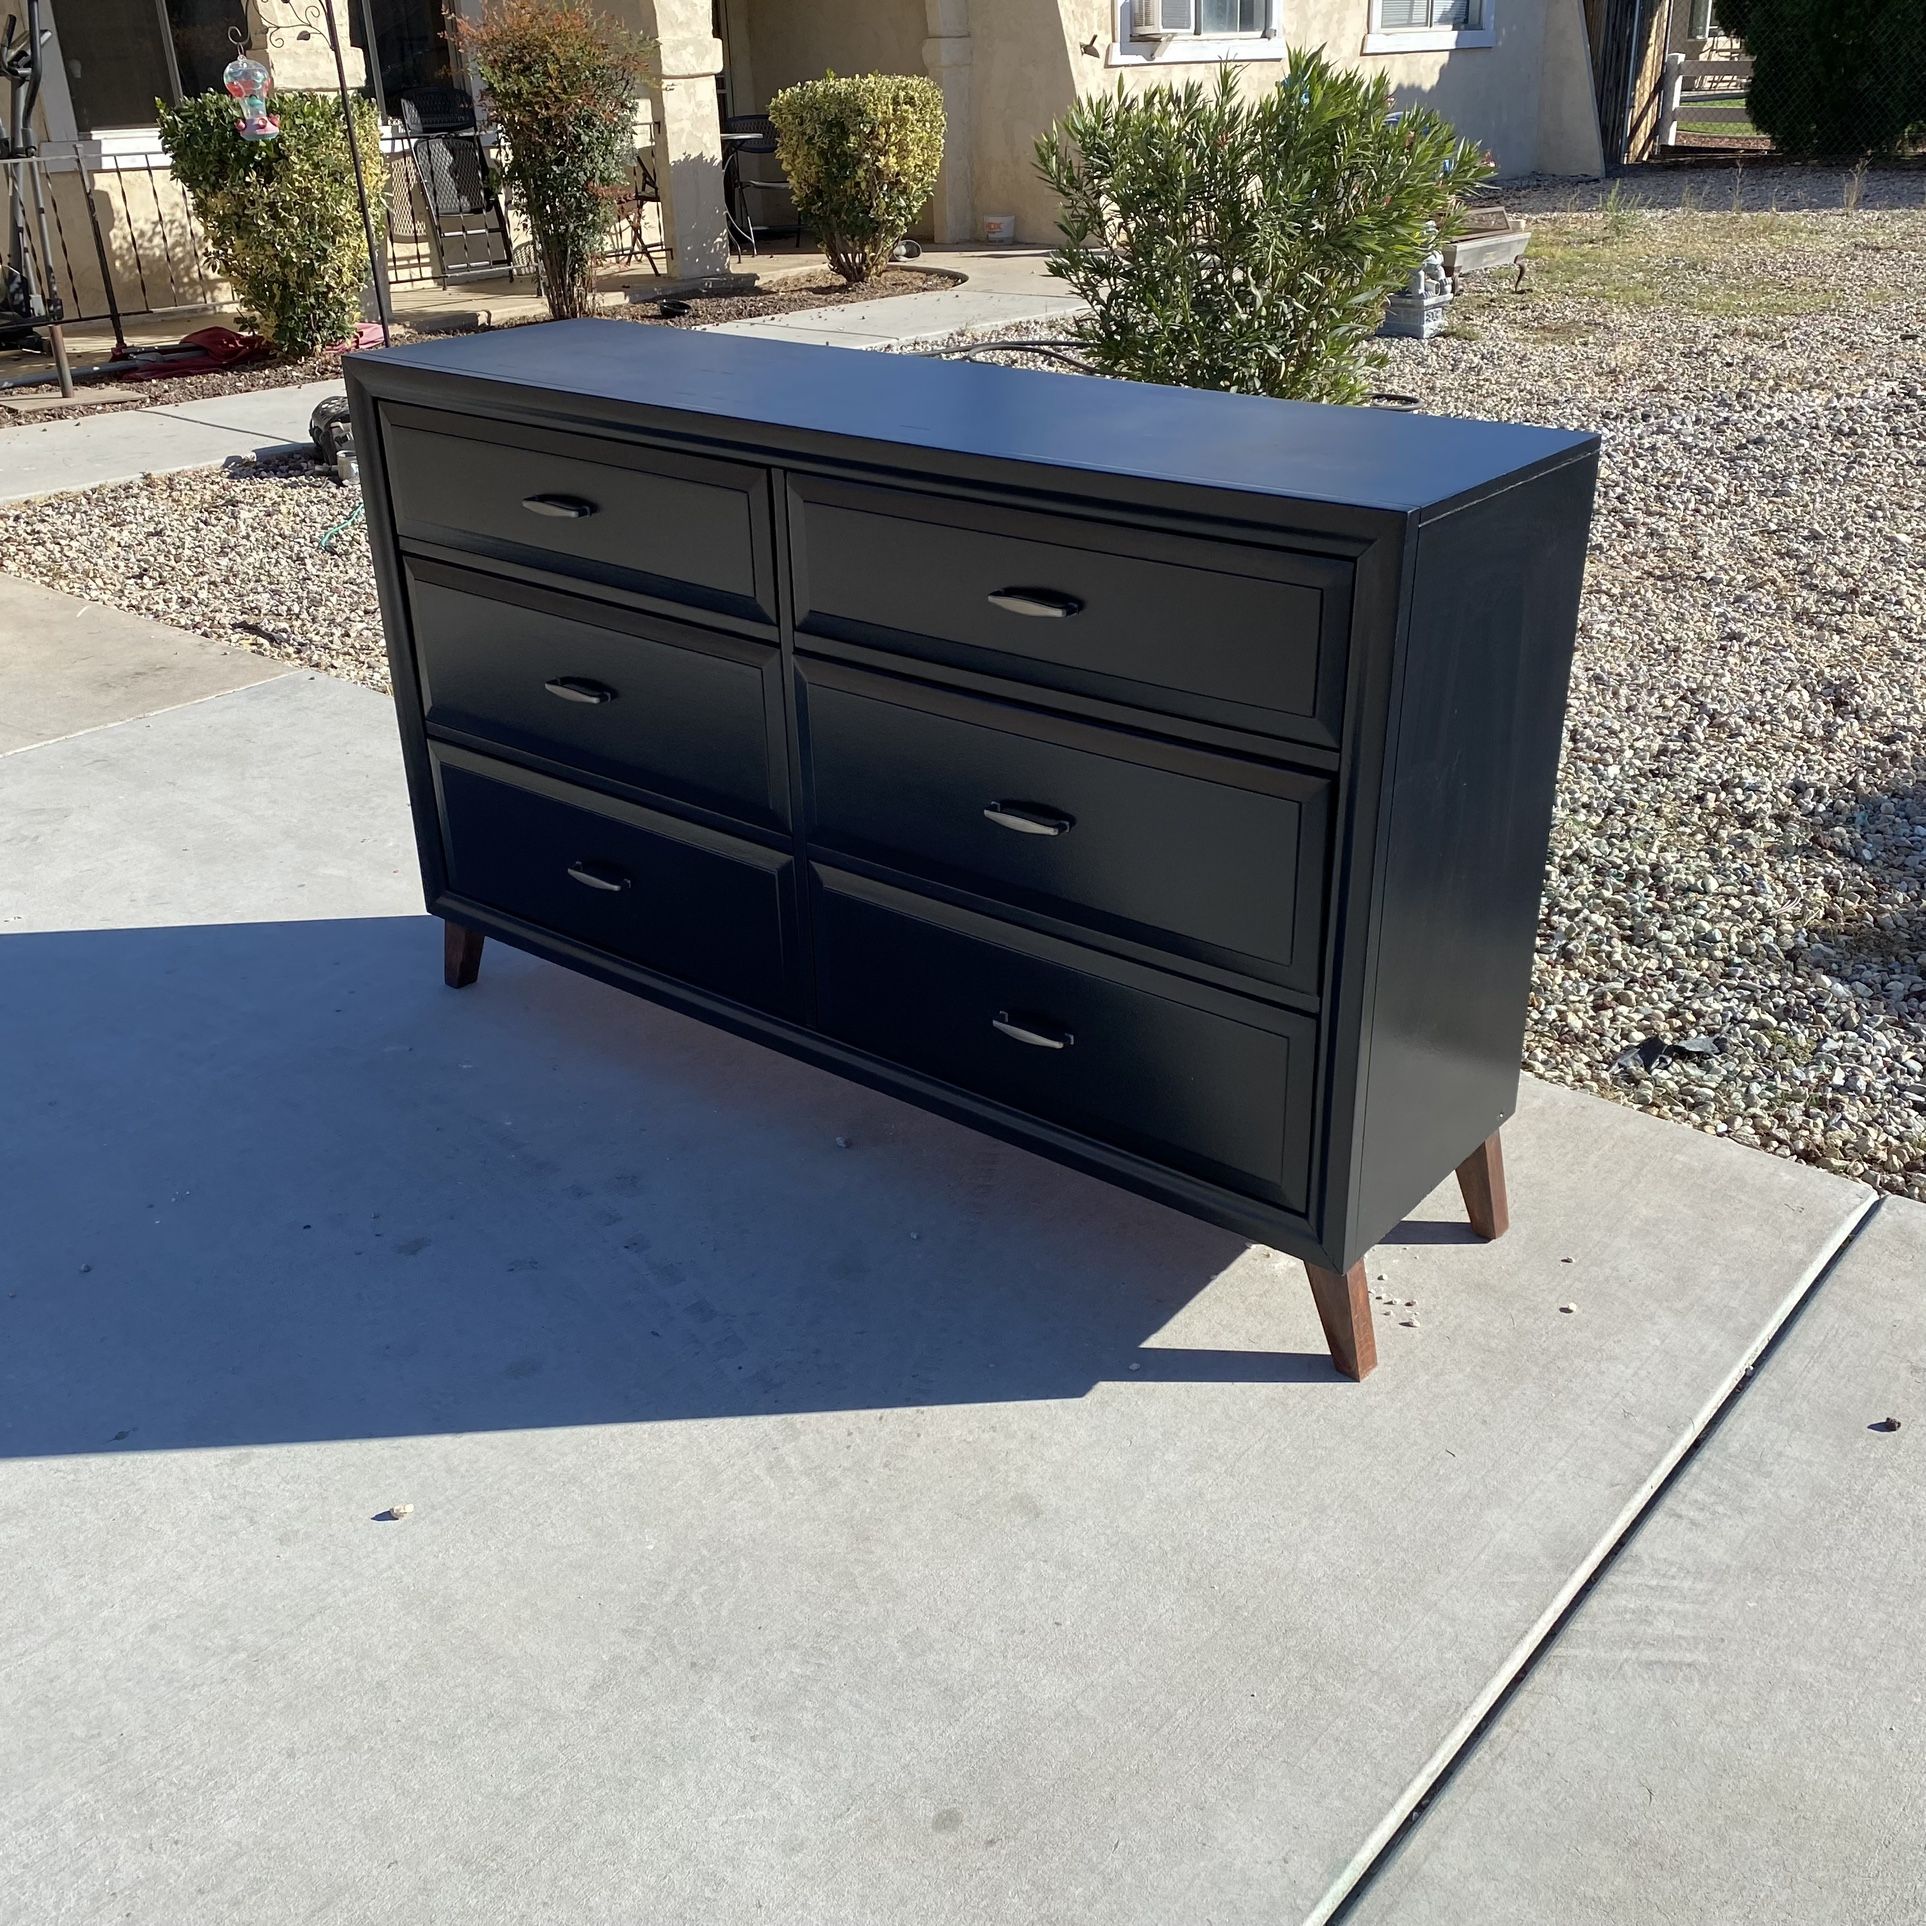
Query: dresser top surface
point(730, 386)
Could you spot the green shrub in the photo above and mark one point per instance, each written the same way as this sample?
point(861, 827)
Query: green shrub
point(281, 217)
point(562, 81)
point(1834, 79)
point(862, 156)
point(1249, 245)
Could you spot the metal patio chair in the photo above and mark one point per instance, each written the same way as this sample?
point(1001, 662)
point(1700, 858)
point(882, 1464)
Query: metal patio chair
point(466, 226)
point(628, 206)
point(747, 138)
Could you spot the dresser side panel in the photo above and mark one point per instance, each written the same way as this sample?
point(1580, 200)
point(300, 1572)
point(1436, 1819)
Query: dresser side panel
point(392, 594)
point(1470, 776)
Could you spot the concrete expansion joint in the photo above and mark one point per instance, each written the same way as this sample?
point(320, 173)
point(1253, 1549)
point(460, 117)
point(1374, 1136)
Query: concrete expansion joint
point(1353, 1885)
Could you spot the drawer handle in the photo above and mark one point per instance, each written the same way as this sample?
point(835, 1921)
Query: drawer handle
point(1034, 601)
point(1028, 820)
point(1028, 1033)
point(567, 508)
point(599, 876)
point(578, 688)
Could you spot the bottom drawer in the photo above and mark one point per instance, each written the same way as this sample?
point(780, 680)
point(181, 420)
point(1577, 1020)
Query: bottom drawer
point(679, 899)
point(1189, 1077)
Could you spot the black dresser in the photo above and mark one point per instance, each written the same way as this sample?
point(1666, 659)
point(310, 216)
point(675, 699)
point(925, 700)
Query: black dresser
point(1157, 779)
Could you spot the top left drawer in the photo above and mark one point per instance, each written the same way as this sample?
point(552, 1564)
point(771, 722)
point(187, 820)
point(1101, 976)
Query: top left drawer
point(681, 530)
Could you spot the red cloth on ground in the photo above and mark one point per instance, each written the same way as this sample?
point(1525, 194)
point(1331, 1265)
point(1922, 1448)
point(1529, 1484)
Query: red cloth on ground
point(212, 349)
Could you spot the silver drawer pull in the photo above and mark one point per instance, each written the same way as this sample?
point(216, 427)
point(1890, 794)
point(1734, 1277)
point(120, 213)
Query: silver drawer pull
point(578, 688)
point(599, 876)
point(1026, 1033)
point(569, 508)
point(1028, 820)
point(1034, 601)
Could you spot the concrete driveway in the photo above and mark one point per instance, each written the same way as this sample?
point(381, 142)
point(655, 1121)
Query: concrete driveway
point(897, 1529)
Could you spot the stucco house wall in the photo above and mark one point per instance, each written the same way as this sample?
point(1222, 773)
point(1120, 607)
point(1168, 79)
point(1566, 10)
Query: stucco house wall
point(790, 42)
point(1527, 96)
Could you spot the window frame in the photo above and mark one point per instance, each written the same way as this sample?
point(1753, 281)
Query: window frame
point(1128, 48)
point(1380, 39)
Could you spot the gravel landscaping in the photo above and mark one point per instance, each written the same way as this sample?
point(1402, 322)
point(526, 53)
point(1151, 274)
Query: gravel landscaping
point(1735, 915)
point(1735, 912)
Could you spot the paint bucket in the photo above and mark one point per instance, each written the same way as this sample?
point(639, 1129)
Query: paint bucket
point(999, 230)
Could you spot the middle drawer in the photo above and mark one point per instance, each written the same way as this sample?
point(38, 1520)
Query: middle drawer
point(1210, 856)
point(683, 712)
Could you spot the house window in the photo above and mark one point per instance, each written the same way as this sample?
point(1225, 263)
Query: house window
point(1411, 16)
point(123, 55)
point(1421, 26)
point(1201, 17)
point(1169, 32)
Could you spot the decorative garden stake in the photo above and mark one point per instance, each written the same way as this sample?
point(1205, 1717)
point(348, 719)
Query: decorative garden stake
point(250, 83)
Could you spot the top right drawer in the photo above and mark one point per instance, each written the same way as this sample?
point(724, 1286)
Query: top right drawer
point(1222, 631)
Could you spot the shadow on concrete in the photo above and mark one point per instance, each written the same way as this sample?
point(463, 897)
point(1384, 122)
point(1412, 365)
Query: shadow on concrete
point(272, 1182)
point(1416, 1230)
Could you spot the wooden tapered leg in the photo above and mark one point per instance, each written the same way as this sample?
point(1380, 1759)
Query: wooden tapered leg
point(1344, 1309)
point(1482, 1179)
point(460, 955)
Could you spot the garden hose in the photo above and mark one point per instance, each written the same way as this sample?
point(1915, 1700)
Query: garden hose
point(340, 528)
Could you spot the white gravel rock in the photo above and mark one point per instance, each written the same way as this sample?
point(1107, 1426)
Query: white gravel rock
point(231, 552)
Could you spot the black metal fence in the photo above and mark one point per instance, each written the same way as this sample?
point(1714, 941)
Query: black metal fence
point(123, 237)
point(120, 235)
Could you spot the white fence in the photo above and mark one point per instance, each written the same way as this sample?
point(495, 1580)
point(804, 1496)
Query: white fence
point(1725, 80)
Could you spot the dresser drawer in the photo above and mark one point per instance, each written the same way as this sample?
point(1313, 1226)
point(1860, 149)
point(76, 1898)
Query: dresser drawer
point(1223, 631)
point(1195, 1079)
point(676, 528)
point(690, 714)
point(1213, 857)
point(678, 899)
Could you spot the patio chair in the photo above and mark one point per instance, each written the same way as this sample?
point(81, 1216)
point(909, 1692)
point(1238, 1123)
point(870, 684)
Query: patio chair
point(628, 206)
point(466, 226)
point(752, 136)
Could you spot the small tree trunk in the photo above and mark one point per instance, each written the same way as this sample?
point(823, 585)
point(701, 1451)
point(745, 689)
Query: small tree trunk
point(566, 278)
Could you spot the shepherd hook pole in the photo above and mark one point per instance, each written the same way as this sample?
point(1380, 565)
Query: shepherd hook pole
point(360, 185)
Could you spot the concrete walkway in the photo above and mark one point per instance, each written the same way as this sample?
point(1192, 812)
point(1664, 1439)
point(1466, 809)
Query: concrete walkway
point(1731, 1728)
point(903, 1532)
point(1005, 286)
point(50, 457)
point(68, 665)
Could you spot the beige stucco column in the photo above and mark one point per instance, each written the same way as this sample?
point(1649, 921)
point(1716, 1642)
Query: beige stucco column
point(688, 142)
point(290, 39)
point(948, 55)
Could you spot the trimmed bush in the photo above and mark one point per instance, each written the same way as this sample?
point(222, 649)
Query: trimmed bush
point(561, 81)
point(281, 218)
point(1834, 79)
point(862, 156)
point(1250, 244)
